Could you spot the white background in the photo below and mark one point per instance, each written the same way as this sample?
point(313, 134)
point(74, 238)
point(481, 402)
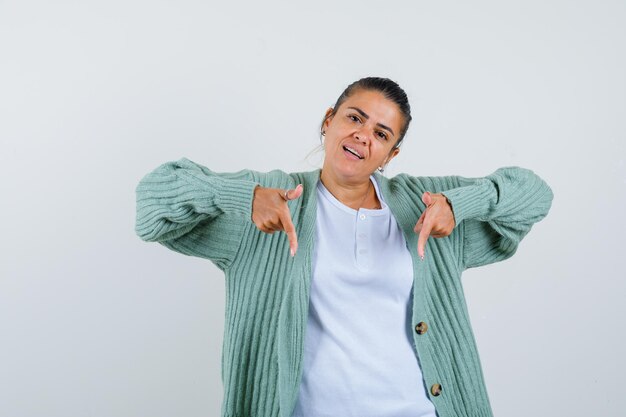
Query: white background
point(93, 95)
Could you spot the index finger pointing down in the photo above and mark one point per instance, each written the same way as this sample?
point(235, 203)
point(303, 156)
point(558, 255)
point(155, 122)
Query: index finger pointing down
point(289, 228)
point(424, 234)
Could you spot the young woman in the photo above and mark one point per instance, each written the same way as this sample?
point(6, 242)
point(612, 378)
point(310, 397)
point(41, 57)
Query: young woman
point(353, 310)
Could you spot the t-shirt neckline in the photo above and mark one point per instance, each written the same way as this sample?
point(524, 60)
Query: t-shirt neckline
point(371, 212)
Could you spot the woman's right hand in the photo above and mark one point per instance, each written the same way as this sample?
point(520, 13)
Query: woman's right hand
point(270, 212)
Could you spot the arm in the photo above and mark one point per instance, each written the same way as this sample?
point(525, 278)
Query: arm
point(497, 211)
point(190, 209)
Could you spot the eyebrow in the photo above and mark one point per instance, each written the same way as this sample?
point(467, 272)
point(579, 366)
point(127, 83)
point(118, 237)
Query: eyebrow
point(362, 113)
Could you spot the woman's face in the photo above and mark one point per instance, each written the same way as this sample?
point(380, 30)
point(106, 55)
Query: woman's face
point(361, 135)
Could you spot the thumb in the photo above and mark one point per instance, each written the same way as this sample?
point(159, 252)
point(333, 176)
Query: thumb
point(296, 192)
point(426, 198)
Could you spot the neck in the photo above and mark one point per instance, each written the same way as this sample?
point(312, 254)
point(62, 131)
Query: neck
point(355, 195)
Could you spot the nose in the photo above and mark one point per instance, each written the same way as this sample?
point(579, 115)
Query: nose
point(362, 135)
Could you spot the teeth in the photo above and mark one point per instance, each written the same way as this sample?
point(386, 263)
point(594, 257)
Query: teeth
point(353, 151)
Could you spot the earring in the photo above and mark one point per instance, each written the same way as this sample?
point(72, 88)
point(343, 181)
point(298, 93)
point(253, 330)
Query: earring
point(323, 133)
point(381, 169)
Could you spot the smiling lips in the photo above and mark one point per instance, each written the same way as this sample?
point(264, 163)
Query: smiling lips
point(353, 152)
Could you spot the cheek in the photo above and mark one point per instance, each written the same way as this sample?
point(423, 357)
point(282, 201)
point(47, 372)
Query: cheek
point(385, 154)
point(381, 150)
point(331, 148)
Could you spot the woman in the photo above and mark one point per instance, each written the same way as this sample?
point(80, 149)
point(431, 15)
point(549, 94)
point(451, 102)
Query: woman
point(353, 311)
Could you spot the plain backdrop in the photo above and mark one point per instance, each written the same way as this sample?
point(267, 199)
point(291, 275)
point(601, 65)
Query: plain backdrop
point(95, 94)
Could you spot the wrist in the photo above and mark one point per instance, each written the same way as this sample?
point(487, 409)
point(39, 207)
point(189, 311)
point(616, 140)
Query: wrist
point(451, 208)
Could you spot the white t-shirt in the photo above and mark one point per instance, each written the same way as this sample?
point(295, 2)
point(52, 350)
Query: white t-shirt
point(359, 358)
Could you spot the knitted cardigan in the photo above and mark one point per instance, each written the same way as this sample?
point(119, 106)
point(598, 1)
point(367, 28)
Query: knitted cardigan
point(190, 209)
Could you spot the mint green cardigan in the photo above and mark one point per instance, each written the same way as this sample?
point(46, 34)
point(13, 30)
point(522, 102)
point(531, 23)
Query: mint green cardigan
point(190, 209)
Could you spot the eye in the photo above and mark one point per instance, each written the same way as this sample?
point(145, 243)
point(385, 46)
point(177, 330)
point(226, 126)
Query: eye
point(382, 134)
point(354, 118)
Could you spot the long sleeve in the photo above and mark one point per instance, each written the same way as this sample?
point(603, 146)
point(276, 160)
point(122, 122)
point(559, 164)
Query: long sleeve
point(497, 211)
point(192, 210)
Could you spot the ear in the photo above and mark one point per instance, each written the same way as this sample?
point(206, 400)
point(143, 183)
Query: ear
point(392, 155)
point(328, 119)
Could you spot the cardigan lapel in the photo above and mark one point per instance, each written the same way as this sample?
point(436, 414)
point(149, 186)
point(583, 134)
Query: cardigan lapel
point(294, 308)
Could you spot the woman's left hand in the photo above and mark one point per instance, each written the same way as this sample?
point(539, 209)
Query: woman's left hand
point(436, 221)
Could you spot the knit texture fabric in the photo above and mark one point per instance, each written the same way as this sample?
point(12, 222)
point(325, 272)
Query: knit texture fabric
point(192, 210)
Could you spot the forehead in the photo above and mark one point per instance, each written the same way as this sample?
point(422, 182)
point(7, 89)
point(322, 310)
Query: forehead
point(376, 106)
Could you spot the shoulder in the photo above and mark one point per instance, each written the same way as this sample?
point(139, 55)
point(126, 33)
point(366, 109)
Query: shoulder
point(281, 179)
point(274, 178)
point(416, 185)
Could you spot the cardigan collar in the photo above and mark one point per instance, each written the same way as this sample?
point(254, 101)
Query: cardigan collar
point(396, 202)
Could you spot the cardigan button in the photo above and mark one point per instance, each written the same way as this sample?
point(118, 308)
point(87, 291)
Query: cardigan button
point(435, 390)
point(421, 327)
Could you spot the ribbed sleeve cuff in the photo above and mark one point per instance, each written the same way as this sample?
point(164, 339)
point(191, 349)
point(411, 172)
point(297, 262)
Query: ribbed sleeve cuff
point(472, 201)
point(237, 197)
